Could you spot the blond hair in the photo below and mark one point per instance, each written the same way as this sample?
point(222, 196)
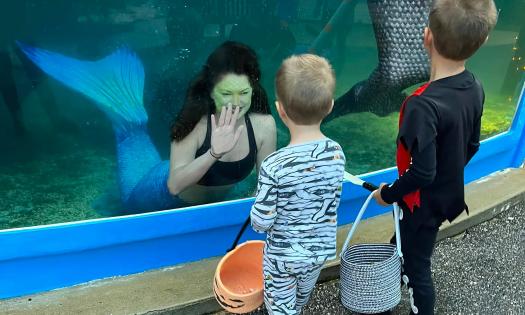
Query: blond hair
point(305, 86)
point(460, 27)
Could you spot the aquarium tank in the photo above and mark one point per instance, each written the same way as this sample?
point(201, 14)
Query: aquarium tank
point(60, 160)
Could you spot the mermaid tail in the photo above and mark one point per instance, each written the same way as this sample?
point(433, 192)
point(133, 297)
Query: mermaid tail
point(115, 83)
point(403, 61)
point(151, 192)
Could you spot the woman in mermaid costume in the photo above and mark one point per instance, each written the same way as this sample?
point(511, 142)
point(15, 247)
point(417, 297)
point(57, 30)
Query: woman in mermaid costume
point(211, 154)
point(115, 83)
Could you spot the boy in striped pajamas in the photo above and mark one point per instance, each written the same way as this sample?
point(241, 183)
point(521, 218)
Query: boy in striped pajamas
point(299, 187)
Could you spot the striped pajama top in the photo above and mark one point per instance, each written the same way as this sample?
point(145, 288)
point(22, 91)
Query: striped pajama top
point(297, 198)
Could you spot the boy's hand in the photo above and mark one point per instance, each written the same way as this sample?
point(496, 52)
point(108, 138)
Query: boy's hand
point(377, 196)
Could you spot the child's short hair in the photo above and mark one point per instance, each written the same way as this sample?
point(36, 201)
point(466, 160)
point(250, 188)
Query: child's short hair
point(460, 27)
point(305, 87)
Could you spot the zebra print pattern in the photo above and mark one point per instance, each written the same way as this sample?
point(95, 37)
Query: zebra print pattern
point(297, 199)
point(288, 285)
point(296, 204)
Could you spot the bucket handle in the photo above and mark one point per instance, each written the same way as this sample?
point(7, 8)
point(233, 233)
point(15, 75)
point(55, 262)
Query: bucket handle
point(358, 219)
point(241, 232)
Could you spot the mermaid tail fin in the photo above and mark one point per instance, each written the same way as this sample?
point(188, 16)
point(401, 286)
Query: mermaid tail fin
point(115, 83)
point(403, 60)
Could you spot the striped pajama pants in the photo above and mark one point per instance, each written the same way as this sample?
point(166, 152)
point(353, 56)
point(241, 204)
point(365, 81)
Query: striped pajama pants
point(288, 285)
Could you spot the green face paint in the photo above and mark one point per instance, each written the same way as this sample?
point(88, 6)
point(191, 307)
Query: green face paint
point(233, 89)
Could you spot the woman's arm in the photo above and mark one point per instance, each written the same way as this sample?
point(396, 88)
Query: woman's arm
point(266, 131)
point(185, 169)
point(268, 145)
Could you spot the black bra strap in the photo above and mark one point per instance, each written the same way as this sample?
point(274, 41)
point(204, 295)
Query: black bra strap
point(251, 135)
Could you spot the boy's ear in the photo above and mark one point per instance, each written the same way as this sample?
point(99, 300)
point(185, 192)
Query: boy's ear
point(280, 110)
point(331, 108)
point(427, 38)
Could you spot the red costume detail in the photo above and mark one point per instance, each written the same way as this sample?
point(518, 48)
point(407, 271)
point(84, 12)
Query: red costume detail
point(404, 158)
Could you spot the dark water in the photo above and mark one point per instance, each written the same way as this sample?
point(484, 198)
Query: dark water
point(59, 164)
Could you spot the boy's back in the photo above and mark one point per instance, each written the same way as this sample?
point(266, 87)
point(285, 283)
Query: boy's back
point(300, 206)
point(299, 187)
point(447, 112)
point(438, 134)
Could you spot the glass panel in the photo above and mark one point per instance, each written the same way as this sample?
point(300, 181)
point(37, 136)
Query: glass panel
point(500, 66)
point(65, 156)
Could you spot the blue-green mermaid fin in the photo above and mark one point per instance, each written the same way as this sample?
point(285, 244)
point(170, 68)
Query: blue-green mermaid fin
point(115, 83)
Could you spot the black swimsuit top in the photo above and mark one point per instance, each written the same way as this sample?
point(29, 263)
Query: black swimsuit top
point(227, 173)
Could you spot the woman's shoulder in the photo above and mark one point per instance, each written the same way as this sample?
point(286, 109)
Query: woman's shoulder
point(262, 120)
point(201, 128)
point(198, 134)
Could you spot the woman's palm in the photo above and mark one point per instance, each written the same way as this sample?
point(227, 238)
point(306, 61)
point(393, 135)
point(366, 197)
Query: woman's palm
point(224, 137)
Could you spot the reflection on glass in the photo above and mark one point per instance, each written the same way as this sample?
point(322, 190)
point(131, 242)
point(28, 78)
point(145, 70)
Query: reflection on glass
point(59, 161)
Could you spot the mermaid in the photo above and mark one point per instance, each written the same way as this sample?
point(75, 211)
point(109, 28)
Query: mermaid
point(222, 133)
point(207, 154)
point(116, 82)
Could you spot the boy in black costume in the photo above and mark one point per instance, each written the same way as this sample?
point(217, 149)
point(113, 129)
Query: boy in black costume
point(439, 130)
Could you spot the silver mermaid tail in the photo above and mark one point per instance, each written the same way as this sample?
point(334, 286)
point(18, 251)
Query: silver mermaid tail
point(403, 61)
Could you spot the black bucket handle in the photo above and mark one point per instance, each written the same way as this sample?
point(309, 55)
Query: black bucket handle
point(240, 234)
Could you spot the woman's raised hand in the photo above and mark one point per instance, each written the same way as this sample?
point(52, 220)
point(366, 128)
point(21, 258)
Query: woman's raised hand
point(224, 137)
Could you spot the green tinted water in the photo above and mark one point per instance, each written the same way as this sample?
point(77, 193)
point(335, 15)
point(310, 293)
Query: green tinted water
point(64, 168)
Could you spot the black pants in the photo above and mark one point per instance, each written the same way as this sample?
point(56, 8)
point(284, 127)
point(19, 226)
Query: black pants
point(417, 245)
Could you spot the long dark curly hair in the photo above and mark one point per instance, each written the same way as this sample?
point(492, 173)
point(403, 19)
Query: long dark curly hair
point(230, 57)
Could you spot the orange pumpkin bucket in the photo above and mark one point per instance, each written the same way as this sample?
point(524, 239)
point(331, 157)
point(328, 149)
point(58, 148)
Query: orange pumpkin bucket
point(238, 281)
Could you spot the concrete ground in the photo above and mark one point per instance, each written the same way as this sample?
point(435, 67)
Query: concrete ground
point(481, 271)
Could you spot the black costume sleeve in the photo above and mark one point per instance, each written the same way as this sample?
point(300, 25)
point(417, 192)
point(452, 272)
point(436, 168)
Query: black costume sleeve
point(473, 144)
point(418, 134)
